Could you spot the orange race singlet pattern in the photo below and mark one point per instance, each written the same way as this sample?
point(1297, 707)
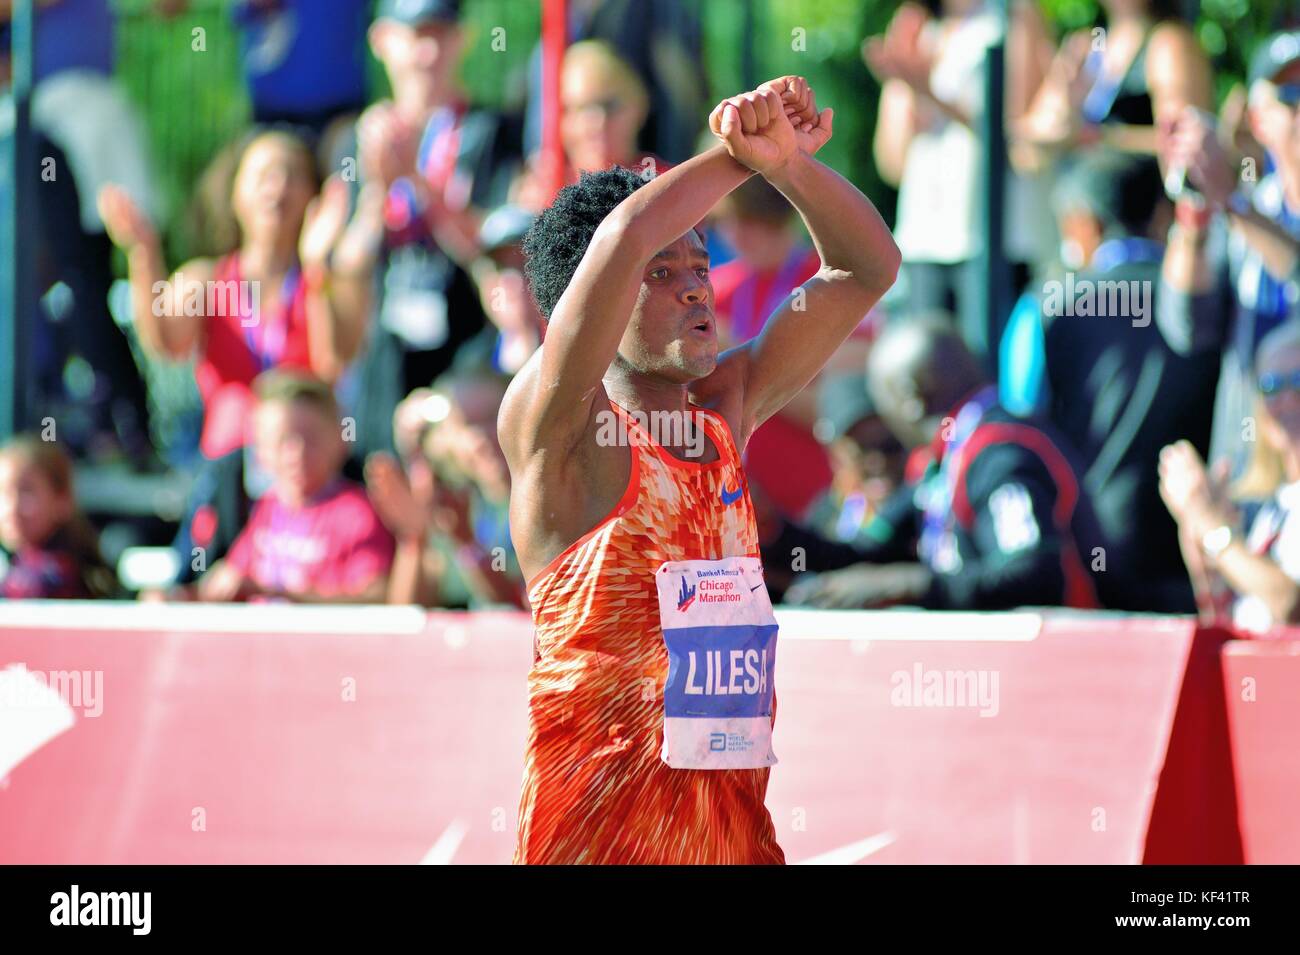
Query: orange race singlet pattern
point(595, 789)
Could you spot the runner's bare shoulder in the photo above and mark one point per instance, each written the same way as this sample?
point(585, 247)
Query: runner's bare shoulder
point(723, 391)
point(526, 431)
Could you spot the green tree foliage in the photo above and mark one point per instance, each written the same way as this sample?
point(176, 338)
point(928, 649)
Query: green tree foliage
point(194, 101)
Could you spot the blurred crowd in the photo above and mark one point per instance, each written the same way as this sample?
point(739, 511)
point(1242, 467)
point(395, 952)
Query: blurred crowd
point(1127, 436)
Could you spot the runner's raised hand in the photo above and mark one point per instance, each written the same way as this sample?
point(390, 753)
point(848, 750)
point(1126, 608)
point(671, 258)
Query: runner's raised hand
point(755, 129)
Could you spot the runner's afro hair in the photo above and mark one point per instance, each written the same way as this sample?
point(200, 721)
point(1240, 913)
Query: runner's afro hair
point(559, 237)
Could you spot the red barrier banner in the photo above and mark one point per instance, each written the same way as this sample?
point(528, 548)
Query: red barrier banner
point(161, 734)
point(1261, 680)
point(951, 738)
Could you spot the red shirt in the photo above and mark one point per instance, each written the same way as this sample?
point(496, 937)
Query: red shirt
point(745, 299)
point(236, 350)
point(333, 545)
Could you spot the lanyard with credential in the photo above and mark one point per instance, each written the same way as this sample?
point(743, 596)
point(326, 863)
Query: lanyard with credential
point(268, 340)
point(439, 148)
point(745, 320)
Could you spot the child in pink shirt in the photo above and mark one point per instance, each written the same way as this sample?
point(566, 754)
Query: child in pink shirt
point(313, 537)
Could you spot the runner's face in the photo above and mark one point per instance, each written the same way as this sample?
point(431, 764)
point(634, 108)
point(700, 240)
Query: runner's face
point(273, 186)
point(299, 447)
point(673, 331)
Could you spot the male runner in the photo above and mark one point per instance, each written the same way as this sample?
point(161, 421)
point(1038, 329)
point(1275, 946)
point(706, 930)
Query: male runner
point(651, 692)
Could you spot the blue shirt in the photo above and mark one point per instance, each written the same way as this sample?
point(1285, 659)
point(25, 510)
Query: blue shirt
point(73, 35)
point(303, 56)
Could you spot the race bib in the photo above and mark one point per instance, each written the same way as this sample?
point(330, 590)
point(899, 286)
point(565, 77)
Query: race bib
point(720, 633)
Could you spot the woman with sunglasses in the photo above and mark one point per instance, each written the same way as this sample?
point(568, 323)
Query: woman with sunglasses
point(1244, 561)
point(603, 105)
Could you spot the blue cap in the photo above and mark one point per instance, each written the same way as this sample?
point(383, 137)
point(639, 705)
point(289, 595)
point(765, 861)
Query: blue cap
point(415, 12)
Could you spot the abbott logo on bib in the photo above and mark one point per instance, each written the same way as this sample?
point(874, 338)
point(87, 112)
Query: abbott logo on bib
point(720, 633)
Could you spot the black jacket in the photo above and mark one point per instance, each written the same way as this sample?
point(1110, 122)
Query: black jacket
point(1021, 532)
point(1119, 394)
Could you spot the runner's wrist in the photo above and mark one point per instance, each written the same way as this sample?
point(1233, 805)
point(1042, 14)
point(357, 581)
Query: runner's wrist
point(787, 172)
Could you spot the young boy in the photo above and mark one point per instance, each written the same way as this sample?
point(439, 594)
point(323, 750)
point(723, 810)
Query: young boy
point(313, 537)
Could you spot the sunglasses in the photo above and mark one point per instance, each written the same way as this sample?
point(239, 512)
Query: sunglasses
point(606, 107)
point(1271, 385)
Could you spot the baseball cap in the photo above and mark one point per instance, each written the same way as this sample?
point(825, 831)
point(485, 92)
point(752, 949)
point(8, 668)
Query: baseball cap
point(506, 225)
point(1275, 54)
point(415, 12)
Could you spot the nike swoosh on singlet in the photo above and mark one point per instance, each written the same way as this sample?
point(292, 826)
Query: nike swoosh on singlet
point(732, 497)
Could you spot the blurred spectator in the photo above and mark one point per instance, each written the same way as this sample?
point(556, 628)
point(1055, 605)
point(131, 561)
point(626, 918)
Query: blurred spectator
point(270, 298)
point(662, 42)
point(313, 537)
point(517, 326)
point(867, 461)
point(450, 509)
point(992, 515)
point(603, 105)
point(98, 414)
point(47, 548)
point(927, 144)
point(1246, 565)
point(76, 109)
point(303, 60)
point(772, 261)
point(1232, 269)
point(431, 165)
point(1116, 85)
point(1110, 383)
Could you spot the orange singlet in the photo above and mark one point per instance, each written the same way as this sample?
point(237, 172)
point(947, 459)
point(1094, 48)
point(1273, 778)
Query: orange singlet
point(595, 789)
